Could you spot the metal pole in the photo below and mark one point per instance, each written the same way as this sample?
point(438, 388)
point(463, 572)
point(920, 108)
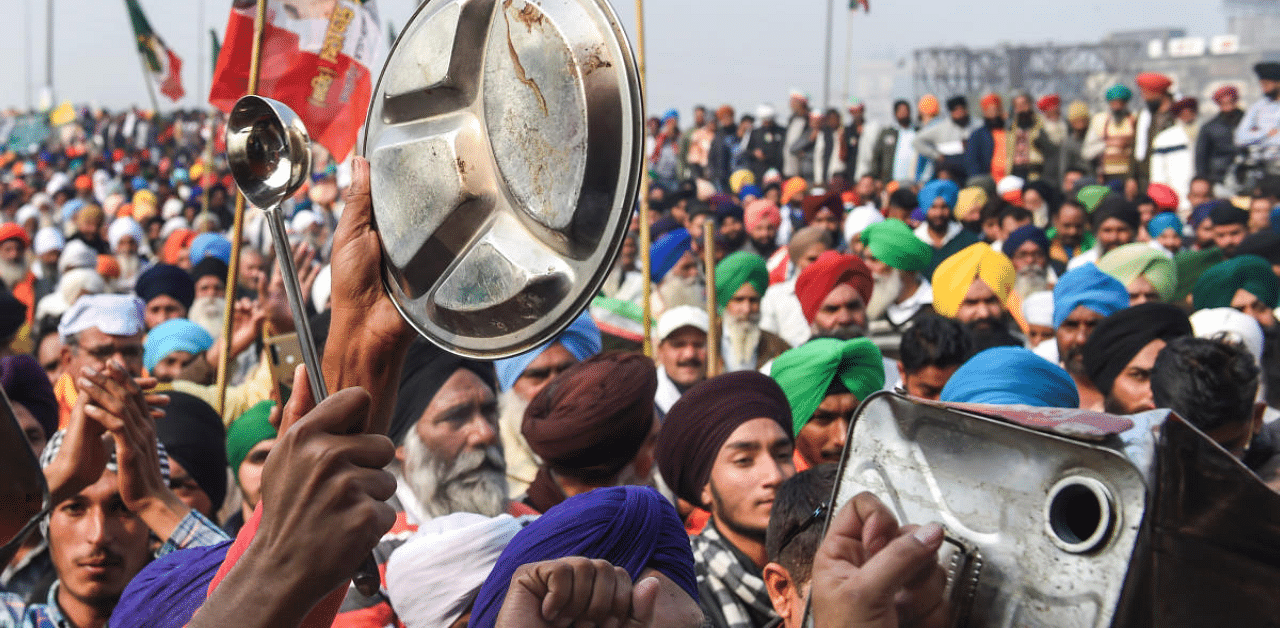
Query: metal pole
point(146, 78)
point(200, 46)
point(48, 51)
point(646, 319)
point(826, 62)
point(298, 306)
point(26, 53)
point(713, 320)
point(848, 55)
point(237, 227)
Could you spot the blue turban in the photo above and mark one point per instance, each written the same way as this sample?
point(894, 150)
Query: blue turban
point(70, 208)
point(210, 245)
point(670, 114)
point(1200, 213)
point(178, 334)
point(1162, 222)
point(1022, 235)
point(169, 591)
point(945, 188)
point(582, 339)
point(750, 189)
point(166, 279)
point(1011, 376)
point(632, 527)
point(1091, 288)
point(664, 253)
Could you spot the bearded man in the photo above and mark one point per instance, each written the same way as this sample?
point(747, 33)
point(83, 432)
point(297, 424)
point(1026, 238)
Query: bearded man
point(126, 238)
point(1028, 248)
point(741, 280)
point(901, 294)
point(445, 427)
point(14, 269)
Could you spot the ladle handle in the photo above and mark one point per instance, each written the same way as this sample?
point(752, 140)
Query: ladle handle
point(284, 256)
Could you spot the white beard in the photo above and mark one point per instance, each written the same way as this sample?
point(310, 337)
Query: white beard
point(677, 291)
point(207, 313)
point(12, 273)
point(884, 294)
point(130, 265)
point(464, 484)
point(1031, 279)
point(742, 338)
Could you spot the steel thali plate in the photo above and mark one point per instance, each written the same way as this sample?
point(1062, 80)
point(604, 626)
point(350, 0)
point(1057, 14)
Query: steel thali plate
point(504, 141)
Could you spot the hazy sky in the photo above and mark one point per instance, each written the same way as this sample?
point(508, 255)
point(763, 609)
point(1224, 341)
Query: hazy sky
point(699, 51)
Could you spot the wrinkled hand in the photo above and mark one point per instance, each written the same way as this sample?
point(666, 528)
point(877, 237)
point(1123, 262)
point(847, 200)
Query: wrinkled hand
point(869, 573)
point(576, 591)
point(324, 490)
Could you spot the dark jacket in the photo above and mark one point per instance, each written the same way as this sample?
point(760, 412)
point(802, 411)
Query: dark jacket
point(1216, 147)
point(978, 151)
point(769, 140)
point(883, 153)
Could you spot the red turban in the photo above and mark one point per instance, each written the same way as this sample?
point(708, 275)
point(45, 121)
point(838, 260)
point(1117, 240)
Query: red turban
point(1153, 82)
point(1049, 102)
point(761, 210)
point(811, 204)
point(1163, 195)
point(1226, 91)
point(11, 231)
point(831, 269)
point(992, 100)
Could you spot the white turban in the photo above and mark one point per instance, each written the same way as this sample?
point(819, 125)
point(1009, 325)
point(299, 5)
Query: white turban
point(173, 224)
point(1038, 308)
point(1231, 325)
point(172, 208)
point(122, 227)
point(27, 212)
point(49, 239)
point(111, 314)
point(77, 254)
point(434, 577)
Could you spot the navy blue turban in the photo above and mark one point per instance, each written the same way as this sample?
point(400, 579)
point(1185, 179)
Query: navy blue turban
point(666, 251)
point(165, 279)
point(632, 527)
point(1022, 235)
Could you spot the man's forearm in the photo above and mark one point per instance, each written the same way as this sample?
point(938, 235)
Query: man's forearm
point(354, 358)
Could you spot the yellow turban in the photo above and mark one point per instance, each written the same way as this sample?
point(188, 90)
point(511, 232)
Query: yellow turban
point(740, 178)
point(143, 197)
point(955, 274)
point(1078, 111)
point(971, 198)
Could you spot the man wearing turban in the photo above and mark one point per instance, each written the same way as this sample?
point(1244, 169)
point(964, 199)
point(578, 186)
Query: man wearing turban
point(674, 270)
point(1115, 223)
point(1081, 299)
point(594, 426)
point(761, 217)
point(172, 346)
point(1028, 248)
point(15, 271)
point(1246, 283)
point(973, 287)
point(937, 200)
point(168, 292)
point(725, 447)
point(780, 310)
point(1156, 115)
point(896, 259)
point(985, 150)
point(1146, 273)
point(250, 439)
point(741, 280)
point(1254, 131)
point(833, 292)
point(1122, 350)
point(825, 379)
point(1111, 138)
point(519, 380)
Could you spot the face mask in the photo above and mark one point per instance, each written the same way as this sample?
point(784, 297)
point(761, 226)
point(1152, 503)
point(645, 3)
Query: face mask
point(962, 121)
point(1154, 105)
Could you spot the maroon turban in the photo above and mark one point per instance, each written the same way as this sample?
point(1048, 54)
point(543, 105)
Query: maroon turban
point(704, 418)
point(831, 269)
point(591, 420)
point(811, 204)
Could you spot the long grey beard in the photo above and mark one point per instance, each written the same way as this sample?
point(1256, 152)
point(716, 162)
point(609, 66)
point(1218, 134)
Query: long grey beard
point(886, 291)
point(207, 313)
point(476, 481)
point(677, 291)
point(743, 336)
point(129, 266)
point(1031, 279)
point(12, 273)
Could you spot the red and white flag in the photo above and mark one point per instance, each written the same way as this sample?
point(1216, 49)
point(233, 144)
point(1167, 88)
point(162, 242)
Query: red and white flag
point(159, 59)
point(316, 58)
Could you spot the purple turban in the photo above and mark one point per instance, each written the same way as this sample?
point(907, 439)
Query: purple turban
point(25, 382)
point(169, 591)
point(704, 418)
point(632, 527)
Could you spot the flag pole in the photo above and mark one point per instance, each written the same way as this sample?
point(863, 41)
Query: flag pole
point(646, 319)
point(713, 320)
point(237, 228)
point(146, 78)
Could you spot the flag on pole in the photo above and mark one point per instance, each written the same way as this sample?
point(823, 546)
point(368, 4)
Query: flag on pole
point(316, 58)
point(165, 65)
point(215, 47)
point(865, 4)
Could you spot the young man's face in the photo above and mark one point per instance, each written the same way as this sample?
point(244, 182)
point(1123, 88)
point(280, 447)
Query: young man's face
point(928, 382)
point(1072, 334)
point(750, 465)
point(744, 304)
point(822, 438)
point(1114, 232)
point(1131, 392)
point(1228, 237)
point(96, 544)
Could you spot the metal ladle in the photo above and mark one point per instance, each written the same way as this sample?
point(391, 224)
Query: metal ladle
point(269, 152)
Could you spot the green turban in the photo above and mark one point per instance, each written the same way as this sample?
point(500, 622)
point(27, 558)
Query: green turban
point(737, 269)
point(1091, 195)
point(1218, 285)
point(1192, 264)
point(251, 428)
point(805, 373)
point(1119, 92)
point(1130, 261)
point(893, 243)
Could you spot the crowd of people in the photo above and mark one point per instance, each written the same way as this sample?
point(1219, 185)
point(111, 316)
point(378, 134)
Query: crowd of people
point(1119, 262)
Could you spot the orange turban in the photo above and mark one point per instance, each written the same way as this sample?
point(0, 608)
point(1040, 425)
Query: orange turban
point(928, 105)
